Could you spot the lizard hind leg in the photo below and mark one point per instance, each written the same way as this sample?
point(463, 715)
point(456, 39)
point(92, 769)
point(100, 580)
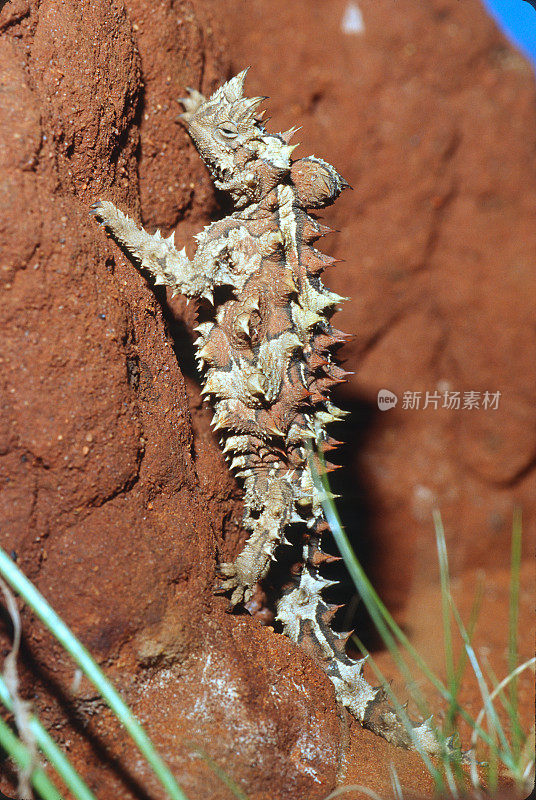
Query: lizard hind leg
point(269, 503)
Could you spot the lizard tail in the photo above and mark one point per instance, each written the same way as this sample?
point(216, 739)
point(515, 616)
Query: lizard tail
point(306, 618)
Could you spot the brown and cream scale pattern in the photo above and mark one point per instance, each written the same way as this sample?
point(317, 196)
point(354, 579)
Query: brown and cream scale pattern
point(266, 355)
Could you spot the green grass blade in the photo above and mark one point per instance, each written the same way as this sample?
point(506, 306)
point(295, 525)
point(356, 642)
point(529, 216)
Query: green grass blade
point(454, 673)
point(59, 629)
point(492, 772)
point(376, 609)
point(513, 620)
point(395, 783)
point(52, 752)
point(518, 769)
point(445, 602)
point(493, 719)
point(513, 713)
point(379, 613)
point(462, 660)
point(453, 684)
point(219, 772)
point(526, 759)
point(20, 755)
point(493, 759)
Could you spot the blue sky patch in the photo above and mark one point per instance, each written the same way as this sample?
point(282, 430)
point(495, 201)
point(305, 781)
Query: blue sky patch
point(517, 18)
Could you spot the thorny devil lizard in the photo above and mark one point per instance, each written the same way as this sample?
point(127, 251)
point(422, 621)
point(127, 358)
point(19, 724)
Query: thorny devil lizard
point(268, 361)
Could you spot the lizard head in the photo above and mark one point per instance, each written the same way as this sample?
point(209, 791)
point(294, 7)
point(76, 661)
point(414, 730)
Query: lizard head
point(242, 157)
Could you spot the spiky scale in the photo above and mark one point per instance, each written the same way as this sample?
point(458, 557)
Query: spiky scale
point(242, 324)
point(204, 328)
point(287, 135)
point(313, 230)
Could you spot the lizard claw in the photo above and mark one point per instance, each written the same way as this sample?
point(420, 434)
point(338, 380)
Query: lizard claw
point(191, 104)
point(234, 580)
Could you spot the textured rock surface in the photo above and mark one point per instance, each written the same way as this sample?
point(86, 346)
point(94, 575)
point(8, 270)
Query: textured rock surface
point(113, 494)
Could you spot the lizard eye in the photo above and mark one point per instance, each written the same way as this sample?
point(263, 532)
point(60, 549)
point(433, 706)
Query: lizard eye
point(228, 130)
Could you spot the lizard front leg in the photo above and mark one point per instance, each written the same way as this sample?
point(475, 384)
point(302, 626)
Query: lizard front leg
point(158, 255)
